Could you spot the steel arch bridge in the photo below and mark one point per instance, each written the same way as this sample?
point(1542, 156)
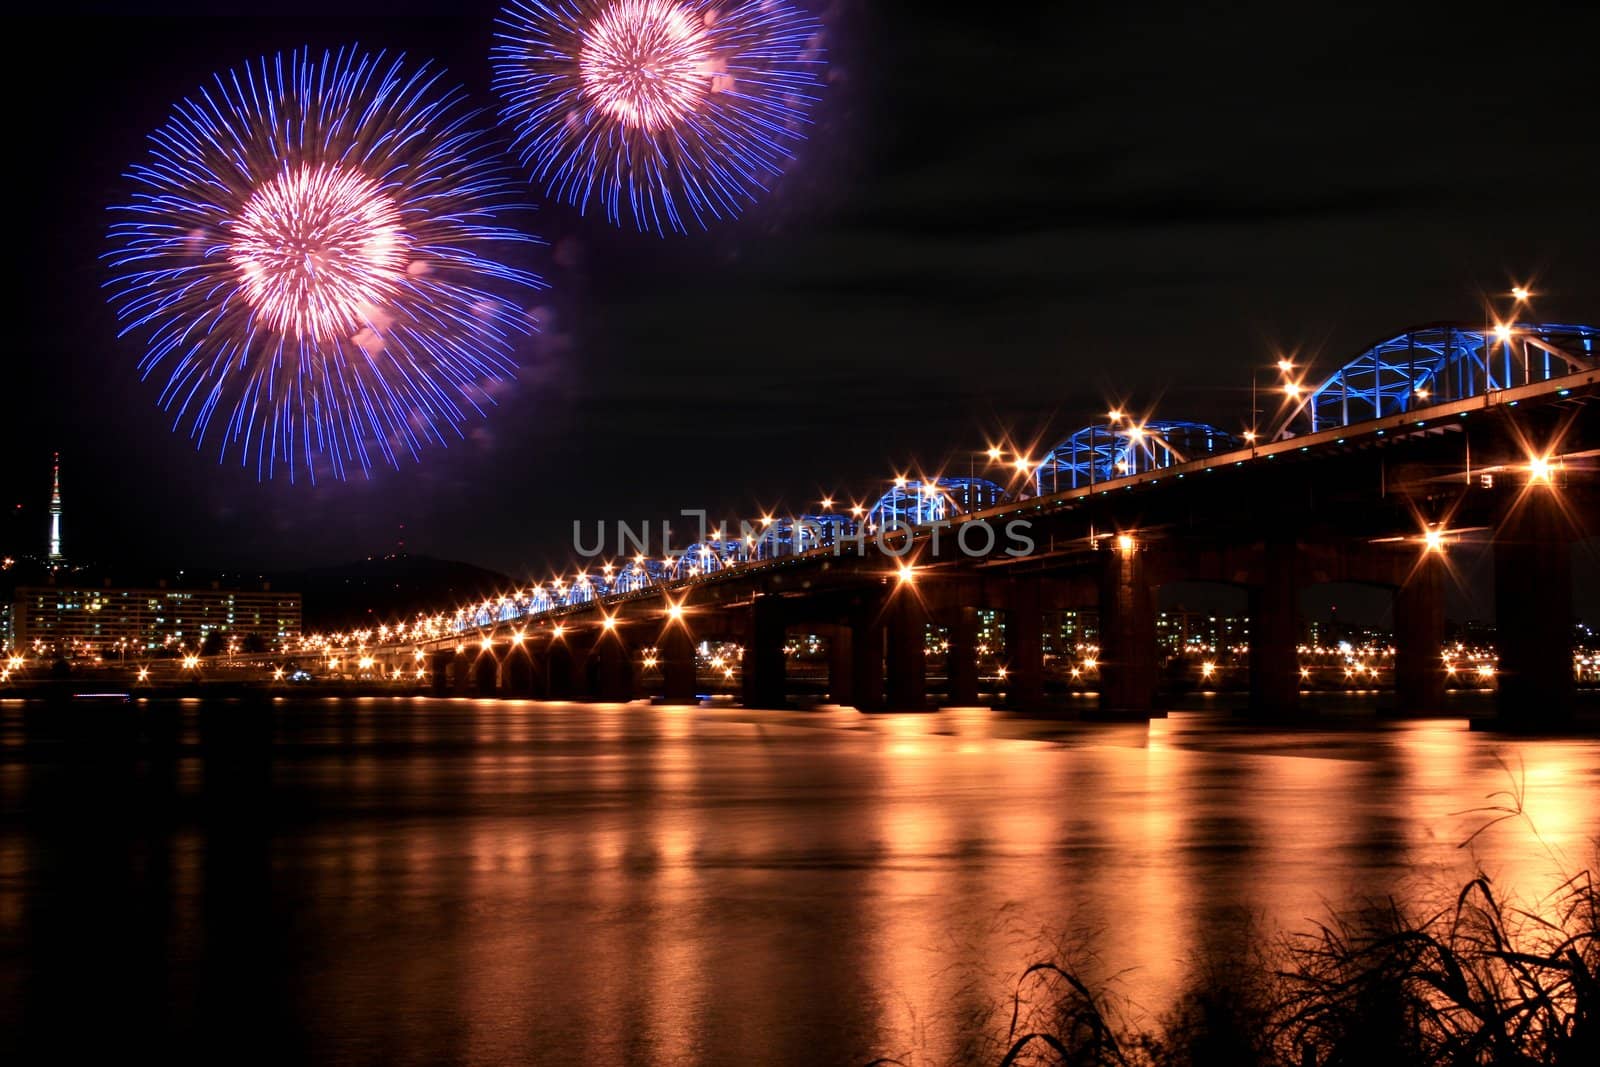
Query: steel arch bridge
point(1428, 365)
point(1448, 361)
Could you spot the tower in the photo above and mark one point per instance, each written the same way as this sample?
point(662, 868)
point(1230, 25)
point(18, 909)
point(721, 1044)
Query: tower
point(55, 511)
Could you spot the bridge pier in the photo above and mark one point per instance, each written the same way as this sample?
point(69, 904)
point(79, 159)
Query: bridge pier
point(907, 680)
point(560, 671)
point(614, 681)
point(439, 672)
point(763, 654)
point(1533, 614)
point(1127, 637)
point(675, 654)
point(961, 667)
point(1025, 646)
point(866, 667)
point(841, 664)
point(486, 674)
point(461, 675)
point(517, 673)
point(1274, 632)
point(1418, 636)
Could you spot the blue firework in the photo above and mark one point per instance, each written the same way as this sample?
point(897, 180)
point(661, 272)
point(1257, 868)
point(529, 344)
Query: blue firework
point(315, 260)
point(667, 112)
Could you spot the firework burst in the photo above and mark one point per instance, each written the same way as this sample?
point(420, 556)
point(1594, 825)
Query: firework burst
point(312, 257)
point(666, 111)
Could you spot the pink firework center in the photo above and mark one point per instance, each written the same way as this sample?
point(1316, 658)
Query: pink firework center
point(318, 248)
point(648, 63)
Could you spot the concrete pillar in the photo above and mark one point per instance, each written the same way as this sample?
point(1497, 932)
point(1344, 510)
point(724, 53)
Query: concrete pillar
point(1418, 634)
point(1533, 613)
point(439, 672)
point(675, 654)
point(962, 661)
point(585, 666)
point(485, 674)
point(1127, 635)
point(907, 680)
point(561, 671)
point(866, 650)
point(461, 674)
point(763, 655)
point(841, 664)
point(1274, 635)
point(1025, 647)
point(516, 673)
point(614, 682)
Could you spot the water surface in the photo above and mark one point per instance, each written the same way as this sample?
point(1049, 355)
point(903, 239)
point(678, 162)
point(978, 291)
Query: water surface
point(426, 881)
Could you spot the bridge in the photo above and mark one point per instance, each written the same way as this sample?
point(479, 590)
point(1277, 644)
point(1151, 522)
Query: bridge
point(1439, 435)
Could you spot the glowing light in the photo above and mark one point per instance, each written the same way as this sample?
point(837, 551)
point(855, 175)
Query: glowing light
point(609, 623)
point(144, 674)
point(675, 611)
point(1520, 293)
point(1485, 670)
point(1292, 389)
point(1502, 332)
point(418, 655)
point(827, 503)
point(314, 247)
point(857, 510)
point(645, 63)
point(1115, 415)
point(1285, 366)
point(994, 454)
point(1136, 433)
point(1023, 463)
point(1433, 541)
point(313, 260)
point(1207, 669)
point(1250, 435)
point(1091, 664)
point(559, 630)
point(900, 481)
point(1126, 544)
point(191, 663)
point(907, 573)
point(671, 113)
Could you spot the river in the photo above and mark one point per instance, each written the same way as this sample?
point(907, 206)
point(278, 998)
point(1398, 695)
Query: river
point(426, 881)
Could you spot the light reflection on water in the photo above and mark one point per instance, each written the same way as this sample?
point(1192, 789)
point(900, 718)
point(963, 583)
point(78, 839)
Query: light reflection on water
point(415, 881)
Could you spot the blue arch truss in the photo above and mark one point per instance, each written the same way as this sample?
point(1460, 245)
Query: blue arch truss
point(1448, 361)
point(1100, 453)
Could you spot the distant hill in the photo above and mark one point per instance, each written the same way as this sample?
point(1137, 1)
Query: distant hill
point(387, 589)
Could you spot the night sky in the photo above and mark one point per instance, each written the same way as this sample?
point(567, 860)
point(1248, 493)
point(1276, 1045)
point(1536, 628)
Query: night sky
point(1007, 217)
